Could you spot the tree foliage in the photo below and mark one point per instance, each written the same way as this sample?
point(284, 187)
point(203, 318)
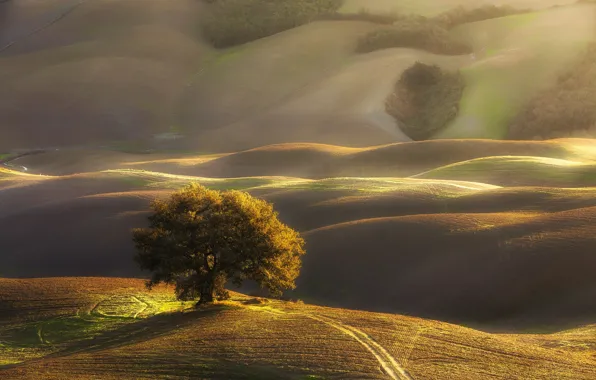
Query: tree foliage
point(199, 239)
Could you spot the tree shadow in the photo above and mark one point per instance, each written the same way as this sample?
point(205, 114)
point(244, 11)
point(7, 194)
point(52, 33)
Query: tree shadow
point(162, 325)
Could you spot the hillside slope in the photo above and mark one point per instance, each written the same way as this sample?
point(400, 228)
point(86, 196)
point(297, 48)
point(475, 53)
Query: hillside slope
point(517, 57)
point(48, 325)
point(310, 160)
point(529, 248)
point(93, 70)
point(151, 72)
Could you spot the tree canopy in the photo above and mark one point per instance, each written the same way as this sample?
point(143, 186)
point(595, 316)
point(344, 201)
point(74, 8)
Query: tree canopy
point(199, 239)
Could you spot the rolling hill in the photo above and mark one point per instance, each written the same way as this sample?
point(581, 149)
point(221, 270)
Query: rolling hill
point(47, 327)
point(459, 257)
point(519, 57)
point(152, 73)
point(493, 233)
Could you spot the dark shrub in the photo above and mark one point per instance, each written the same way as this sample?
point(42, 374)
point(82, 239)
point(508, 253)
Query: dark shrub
point(363, 15)
point(413, 34)
point(566, 109)
point(461, 15)
point(227, 23)
point(425, 100)
point(421, 75)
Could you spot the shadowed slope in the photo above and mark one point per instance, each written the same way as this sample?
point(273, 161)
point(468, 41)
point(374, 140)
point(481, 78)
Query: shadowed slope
point(88, 81)
point(22, 19)
point(483, 266)
point(495, 253)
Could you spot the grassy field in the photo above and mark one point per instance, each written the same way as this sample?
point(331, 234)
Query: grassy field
point(48, 325)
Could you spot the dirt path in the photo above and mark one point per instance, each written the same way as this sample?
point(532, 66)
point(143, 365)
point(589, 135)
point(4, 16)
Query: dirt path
point(388, 363)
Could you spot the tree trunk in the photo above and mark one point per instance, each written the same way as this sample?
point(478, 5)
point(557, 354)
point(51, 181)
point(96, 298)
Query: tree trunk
point(208, 287)
point(207, 292)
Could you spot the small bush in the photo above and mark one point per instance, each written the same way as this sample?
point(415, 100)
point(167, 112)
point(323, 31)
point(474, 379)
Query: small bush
point(364, 15)
point(425, 100)
point(461, 15)
point(421, 75)
point(413, 34)
point(227, 23)
point(568, 109)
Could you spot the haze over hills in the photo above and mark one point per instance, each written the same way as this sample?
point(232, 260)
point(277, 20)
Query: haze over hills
point(152, 72)
point(109, 104)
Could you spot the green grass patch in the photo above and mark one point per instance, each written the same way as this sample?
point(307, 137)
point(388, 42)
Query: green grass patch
point(522, 170)
point(4, 362)
point(173, 181)
point(380, 185)
point(228, 23)
point(352, 184)
point(108, 315)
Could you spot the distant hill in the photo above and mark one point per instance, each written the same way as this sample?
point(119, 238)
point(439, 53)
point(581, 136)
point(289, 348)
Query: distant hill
point(69, 79)
point(420, 234)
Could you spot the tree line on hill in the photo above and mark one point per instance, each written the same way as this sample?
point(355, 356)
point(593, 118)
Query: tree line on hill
point(227, 23)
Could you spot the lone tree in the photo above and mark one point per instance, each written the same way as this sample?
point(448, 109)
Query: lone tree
point(199, 239)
